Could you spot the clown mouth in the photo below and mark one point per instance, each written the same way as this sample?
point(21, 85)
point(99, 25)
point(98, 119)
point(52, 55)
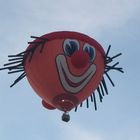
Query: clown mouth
point(70, 82)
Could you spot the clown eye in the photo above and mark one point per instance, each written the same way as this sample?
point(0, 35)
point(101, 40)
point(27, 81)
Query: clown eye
point(70, 46)
point(90, 50)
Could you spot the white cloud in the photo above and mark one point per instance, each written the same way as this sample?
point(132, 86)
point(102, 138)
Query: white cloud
point(84, 15)
point(88, 16)
point(74, 132)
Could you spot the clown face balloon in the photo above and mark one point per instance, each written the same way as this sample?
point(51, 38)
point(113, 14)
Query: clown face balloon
point(64, 68)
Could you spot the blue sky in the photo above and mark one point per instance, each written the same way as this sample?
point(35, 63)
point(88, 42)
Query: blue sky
point(114, 22)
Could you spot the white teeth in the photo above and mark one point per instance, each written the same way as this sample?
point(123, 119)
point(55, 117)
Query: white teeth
point(64, 74)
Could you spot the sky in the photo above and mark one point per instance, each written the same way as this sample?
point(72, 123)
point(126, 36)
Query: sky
point(114, 22)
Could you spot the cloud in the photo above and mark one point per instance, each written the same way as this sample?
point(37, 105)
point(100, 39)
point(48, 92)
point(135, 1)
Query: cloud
point(71, 15)
point(88, 16)
point(75, 131)
point(84, 16)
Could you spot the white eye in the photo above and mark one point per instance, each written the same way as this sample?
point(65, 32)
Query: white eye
point(70, 46)
point(90, 50)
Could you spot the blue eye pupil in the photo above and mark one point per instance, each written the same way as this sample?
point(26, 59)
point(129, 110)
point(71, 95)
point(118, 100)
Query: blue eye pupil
point(70, 50)
point(90, 52)
point(71, 47)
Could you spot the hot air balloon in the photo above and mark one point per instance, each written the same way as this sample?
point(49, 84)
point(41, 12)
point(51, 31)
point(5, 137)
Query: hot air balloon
point(65, 69)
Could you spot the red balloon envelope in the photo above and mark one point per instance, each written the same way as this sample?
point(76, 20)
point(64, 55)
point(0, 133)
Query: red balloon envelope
point(64, 68)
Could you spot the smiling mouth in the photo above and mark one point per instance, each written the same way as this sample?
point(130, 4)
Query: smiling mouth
point(70, 82)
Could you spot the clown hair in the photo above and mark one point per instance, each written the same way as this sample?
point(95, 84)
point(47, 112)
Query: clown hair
point(16, 62)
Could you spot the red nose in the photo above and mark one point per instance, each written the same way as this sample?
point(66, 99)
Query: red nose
point(80, 59)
